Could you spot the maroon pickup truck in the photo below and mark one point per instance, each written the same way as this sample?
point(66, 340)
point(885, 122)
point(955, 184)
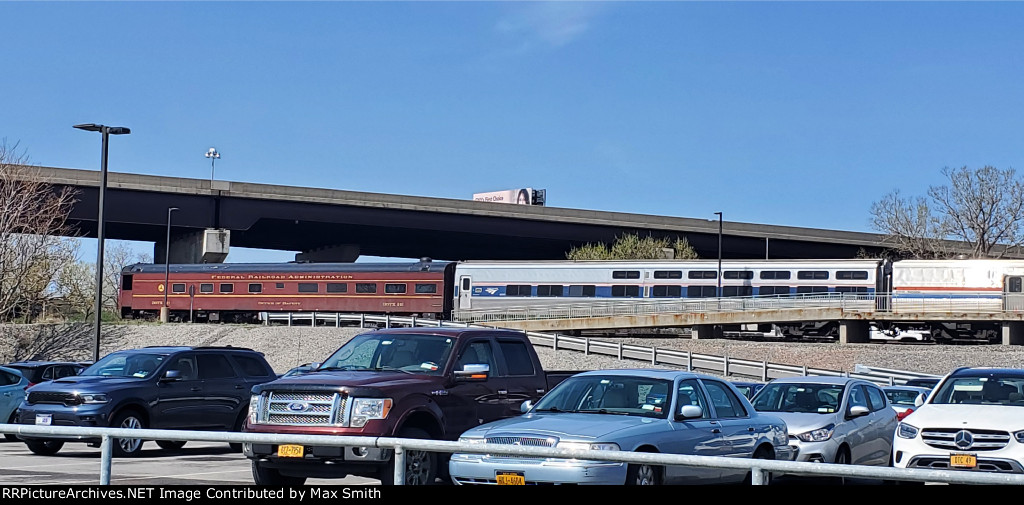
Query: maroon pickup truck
point(409, 383)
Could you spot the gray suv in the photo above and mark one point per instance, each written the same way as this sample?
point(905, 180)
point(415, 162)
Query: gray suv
point(186, 388)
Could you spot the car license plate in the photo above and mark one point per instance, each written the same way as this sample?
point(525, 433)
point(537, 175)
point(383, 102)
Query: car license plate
point(44, 419)
point(291, 451)
point(963, 460)
point(511, 478)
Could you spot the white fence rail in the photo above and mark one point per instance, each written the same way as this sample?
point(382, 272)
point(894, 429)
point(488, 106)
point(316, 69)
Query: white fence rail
point(720, 365)
point(757, 467)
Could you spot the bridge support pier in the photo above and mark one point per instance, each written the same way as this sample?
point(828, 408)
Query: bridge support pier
point(854, 332)
point(204, 246)
point(1013, 332)
point(705, 331)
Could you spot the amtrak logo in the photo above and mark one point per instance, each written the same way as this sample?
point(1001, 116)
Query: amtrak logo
point(298, 406)
point(963, 439)
point(491, 291)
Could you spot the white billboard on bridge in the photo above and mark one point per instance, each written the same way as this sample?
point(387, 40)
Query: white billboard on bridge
point(519, 196)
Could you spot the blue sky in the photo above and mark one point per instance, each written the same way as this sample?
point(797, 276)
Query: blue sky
point(786, 113)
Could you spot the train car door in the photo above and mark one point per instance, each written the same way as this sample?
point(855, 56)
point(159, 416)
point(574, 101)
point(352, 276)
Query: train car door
point(1013, 292)
point(465, 292)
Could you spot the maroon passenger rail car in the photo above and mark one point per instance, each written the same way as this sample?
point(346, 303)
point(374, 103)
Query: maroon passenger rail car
point(238, 292)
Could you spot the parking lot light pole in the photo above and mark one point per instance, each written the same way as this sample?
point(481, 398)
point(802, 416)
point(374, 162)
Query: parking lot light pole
point(165, 311)
point(107, 131)
point(719, 292)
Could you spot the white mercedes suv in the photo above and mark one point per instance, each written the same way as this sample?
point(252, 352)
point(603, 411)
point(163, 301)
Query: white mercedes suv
point(973, 421)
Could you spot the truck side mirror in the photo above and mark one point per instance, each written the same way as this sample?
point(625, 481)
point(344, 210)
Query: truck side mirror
point(171, 376)
point(473, 372)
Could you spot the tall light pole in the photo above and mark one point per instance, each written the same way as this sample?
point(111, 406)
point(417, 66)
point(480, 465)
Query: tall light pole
point(165, 311)
point(719, 292)
point(214, 156)
point(107, 131)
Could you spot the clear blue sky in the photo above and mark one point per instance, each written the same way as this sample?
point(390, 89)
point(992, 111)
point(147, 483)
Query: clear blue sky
point(796, 114)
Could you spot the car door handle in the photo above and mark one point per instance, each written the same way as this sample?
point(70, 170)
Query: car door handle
point(751, 428)
point(716, 430)
point(502, 391)
point(239, 387)
point(196, 389)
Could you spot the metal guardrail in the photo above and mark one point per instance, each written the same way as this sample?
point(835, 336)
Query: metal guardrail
point(718, 365)
point(757, 467)
point(853, 302)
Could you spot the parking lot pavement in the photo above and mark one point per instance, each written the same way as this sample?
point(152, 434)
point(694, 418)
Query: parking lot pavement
point(198, 463)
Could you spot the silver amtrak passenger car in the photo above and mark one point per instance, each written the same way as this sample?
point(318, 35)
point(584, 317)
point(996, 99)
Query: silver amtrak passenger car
point(663, 411)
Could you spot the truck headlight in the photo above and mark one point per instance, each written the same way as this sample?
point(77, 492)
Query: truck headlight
point(94, 398)
point(905, 430)
point(587, 446)
point(365, 409)
point(818, 435)
point(254, 409)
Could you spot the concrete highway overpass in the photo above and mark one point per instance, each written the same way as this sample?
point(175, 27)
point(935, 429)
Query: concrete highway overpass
point(336, 225)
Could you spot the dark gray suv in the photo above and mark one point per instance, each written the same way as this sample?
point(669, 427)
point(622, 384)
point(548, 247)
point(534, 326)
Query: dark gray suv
point(185, 388)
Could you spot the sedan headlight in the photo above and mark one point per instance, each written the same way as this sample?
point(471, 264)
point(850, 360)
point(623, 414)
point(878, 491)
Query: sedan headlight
point(904, 430)
point(254, 409)
point(818, 435)
point(587, 446)
point(365, 409)
point(94, 398)
point(473, 440)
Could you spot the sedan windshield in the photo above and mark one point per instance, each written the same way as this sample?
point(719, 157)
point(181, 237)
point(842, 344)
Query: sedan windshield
point(989, 389)
point(405, 352)
point(609, 394)
point(799, 397)
point(126, 364)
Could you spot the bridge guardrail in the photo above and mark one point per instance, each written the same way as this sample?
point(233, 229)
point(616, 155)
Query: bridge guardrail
point(757, 467)
point(720, 365)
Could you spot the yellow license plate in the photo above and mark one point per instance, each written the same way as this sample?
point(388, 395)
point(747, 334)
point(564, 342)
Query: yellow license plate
point(291, 451)
point(511, 479)
point(963, 460)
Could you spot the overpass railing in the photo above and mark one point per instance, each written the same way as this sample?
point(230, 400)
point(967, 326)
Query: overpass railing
point(724, 366)
point(758, 468)
point(851, 302)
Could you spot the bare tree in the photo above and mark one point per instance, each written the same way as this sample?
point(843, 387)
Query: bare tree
point(979, 212)
point(33, 248)
point(72, 341)
point(75, 283)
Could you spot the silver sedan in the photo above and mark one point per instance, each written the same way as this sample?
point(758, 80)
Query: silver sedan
point(662, 411)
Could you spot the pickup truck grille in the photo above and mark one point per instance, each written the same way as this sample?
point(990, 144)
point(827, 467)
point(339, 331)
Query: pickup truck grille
point(303, 409)
point(973, 440)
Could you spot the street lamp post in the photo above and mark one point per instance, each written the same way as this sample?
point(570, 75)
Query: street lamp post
point(165, 311)
point(719, 292)
point(107, 131)
point(214, 156)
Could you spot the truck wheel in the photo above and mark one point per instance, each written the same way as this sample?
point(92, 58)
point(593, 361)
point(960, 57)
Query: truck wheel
point(171, 445)
point(128, 447)
point(420, 466)
point(265, 476)
point(44, 447)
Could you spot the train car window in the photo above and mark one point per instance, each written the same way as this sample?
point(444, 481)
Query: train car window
point(737, 291)
point(227, 288)
point(590, 291)
point(702, 274)
point(549, 290)
point(852, 275)
point(280, 285)
point(626, 291)
point(812, 274)
point(1015, 285)
point(737, 274)
point(126, 282)
point(337, 287)
point(394, 288)
point(668, 274)
point(206, 288)
point(625, 274)
point(851, 289)
point(426, 288)
point(773, 290)
point(666, 291)
point(256, 288)
point(309, 287)
point(518, 290)
point(701, 291)
point(465, 284)
point(803, 290)
point(776, 274)
point(177, 288)
point(366, 287)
